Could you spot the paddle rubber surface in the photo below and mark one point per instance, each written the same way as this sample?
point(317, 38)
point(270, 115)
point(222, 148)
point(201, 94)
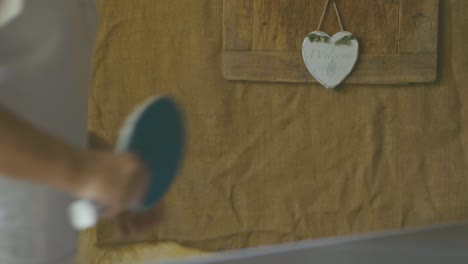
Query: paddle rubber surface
point(155, 132)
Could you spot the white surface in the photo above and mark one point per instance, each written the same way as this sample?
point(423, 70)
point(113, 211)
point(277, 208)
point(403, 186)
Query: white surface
point(445, 244)
point(44, 59)
point(329, 63)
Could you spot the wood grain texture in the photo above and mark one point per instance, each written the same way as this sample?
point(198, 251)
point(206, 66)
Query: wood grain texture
point(237, 25)
point(280, 25)
point(375, 22)
point(288, 67)
point(383, 27)
point(419, 26)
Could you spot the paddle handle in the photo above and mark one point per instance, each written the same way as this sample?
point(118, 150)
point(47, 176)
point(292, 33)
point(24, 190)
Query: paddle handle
point(83, 214)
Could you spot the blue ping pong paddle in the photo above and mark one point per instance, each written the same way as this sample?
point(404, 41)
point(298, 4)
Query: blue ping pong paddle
point(155, 133)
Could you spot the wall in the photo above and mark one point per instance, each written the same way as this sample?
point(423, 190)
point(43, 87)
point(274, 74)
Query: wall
point(361, 159)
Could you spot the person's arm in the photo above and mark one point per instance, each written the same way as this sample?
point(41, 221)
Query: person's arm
point(30, 154)
point(27, 153)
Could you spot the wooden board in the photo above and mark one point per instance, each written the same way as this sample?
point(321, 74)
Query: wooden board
point(398, 38)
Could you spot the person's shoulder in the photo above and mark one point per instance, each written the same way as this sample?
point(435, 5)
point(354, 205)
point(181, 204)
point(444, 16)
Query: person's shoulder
point(9, 10)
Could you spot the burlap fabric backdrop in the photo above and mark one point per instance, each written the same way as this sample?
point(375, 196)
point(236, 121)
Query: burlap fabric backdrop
point(272, 162)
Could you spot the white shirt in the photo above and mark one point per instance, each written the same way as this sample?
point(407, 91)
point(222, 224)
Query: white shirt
point(44, 54)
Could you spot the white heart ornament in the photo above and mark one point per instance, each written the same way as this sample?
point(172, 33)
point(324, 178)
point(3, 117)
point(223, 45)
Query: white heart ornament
point(330, 59)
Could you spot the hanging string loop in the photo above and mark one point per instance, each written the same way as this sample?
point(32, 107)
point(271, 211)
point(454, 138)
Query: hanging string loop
point(325, 11)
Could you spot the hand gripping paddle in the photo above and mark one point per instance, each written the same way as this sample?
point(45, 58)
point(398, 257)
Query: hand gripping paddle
point(154, 132)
